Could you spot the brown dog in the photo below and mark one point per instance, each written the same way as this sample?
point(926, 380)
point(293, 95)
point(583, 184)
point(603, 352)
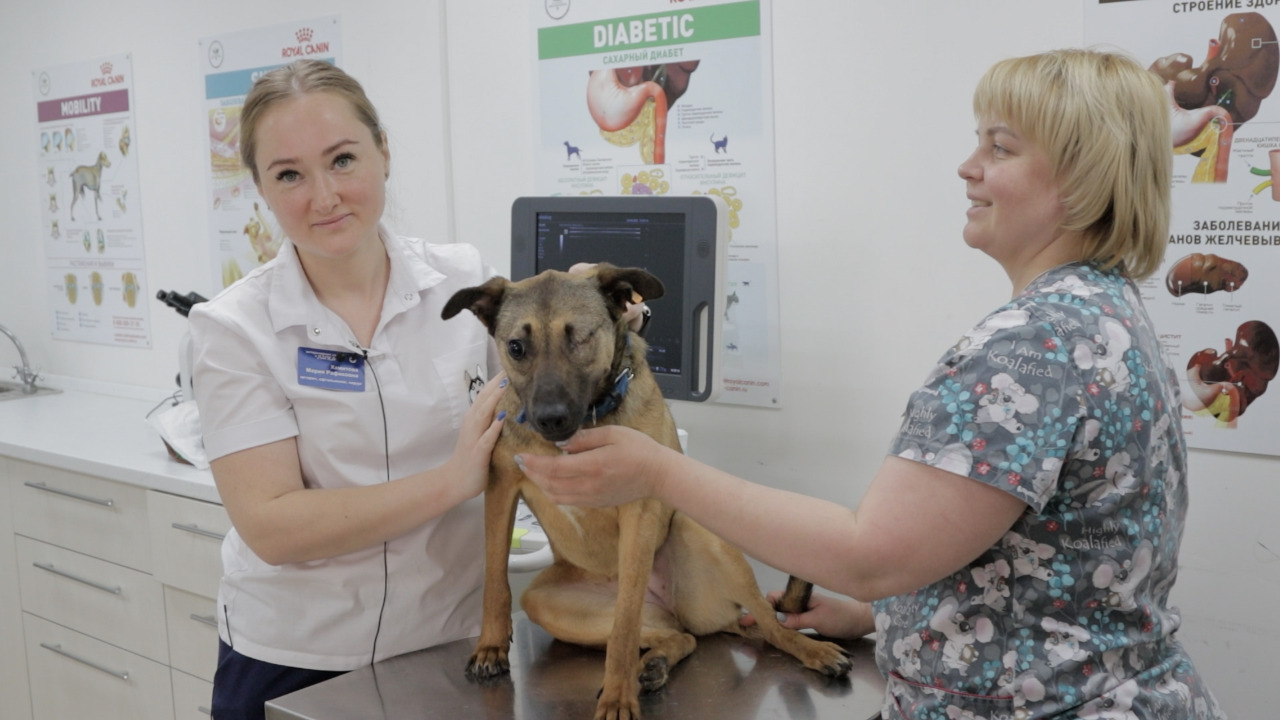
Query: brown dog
point(639, 577)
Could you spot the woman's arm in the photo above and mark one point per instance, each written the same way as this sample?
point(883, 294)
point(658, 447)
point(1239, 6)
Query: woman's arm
point(282, 521)
point(915, 525)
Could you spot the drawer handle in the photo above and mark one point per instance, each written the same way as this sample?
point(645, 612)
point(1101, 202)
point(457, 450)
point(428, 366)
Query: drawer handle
point(209, 620)
point(58, 649)
point(106, 588)
point(96, 501)
point(199, 531)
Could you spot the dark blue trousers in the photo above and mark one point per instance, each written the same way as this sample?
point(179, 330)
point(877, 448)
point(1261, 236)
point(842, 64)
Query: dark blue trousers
point(242, 685)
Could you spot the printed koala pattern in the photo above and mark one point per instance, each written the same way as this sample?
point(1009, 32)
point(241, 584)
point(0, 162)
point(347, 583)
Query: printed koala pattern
point(1063, 398)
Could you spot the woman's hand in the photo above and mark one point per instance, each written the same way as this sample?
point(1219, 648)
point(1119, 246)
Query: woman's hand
point(603, 467)
point(480, 429)
point(833, 617)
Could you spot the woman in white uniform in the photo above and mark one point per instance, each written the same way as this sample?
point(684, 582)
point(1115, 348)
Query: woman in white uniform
point(340, 413)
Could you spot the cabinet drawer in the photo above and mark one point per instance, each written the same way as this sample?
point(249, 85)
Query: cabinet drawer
point(193, 632)
point(192, 697)
point(112, 603)
point(98, 517)
point(75, 676)
point(186, 541)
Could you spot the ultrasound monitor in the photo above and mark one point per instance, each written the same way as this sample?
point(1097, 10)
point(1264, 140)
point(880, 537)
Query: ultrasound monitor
point(681, 240)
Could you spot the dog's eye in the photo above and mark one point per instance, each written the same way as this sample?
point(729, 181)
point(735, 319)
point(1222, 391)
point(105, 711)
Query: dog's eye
point(515, 348)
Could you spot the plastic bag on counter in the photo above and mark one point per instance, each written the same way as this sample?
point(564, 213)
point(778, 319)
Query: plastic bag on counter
point(179, 427)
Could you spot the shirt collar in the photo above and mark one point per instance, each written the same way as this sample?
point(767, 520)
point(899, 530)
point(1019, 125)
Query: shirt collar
point(292, 301)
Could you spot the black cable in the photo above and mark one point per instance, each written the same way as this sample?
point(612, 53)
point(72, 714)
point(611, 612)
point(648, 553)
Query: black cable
point(386, 451)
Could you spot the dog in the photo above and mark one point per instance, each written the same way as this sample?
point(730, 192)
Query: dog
point(570, 151)
point(88, 177)
point(640, 580)
point(721, 145)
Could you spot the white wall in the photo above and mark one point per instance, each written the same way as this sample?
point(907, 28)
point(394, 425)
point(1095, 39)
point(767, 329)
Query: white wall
point(872, 117)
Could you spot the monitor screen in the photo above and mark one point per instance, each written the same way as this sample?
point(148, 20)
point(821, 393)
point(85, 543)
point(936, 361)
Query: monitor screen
point(654, 242)
point(680, 240)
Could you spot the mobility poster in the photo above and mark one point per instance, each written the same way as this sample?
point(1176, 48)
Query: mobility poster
point(88, 176)
point(647, 97)
point(1216, 300)
point(243, 233)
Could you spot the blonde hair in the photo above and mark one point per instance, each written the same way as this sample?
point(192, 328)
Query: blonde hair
point(297, 78)
point(1103, 121)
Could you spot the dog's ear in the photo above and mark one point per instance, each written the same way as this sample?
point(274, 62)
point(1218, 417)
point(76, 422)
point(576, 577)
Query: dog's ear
point(621, 286)
point(483, 301)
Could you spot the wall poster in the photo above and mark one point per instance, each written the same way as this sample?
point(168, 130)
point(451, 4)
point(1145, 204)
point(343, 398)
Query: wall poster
point(243, 233)
point(92, 229)
point(1216, 300)
point(654, 97)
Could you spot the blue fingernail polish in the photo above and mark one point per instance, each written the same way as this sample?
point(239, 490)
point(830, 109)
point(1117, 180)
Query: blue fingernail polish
point(503, 383)
point(519, 462)
point(502, 414)
point(782, 617)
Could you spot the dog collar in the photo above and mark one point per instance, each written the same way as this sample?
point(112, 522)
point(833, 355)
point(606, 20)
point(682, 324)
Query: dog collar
point(611, 399)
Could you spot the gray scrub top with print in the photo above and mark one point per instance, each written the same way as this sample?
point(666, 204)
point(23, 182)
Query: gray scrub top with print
point(1063, 398)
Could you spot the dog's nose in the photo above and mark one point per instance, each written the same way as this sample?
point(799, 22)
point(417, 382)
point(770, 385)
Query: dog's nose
point(554, 421)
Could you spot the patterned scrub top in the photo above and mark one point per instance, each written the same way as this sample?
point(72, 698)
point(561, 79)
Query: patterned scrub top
point(1063, 398)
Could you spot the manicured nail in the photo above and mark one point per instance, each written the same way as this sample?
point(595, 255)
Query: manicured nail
point(503, 383)
point(519, 463)
point(502, 414)
point(561, 443)
point(782, 617)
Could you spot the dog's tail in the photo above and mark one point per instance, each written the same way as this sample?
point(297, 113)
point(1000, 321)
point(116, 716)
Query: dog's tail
point(795, 599)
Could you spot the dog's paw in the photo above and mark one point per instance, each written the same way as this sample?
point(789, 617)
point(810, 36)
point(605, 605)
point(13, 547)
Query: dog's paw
point(654, 673)
point(487, 663)
point(618, 708)
point(829, 659)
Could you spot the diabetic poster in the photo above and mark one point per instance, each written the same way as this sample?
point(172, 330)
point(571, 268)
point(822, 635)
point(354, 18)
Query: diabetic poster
point(243, 232)
point(1216, 301)
point(88, 177)
point(651, 97)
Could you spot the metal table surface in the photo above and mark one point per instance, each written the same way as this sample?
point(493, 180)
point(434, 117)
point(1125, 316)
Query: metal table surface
point(725, 677)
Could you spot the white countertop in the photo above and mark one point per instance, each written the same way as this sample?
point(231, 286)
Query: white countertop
point(100, 430)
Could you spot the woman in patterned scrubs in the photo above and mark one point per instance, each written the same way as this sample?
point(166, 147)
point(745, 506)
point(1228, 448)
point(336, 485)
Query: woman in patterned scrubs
point(1015, 552)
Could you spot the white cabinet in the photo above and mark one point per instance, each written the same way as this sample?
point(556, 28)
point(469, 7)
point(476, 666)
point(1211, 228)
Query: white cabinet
point(76, 676)
point(13, 655)
point(107, 591)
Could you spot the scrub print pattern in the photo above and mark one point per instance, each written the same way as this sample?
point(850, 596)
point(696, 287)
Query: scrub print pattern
point(1063, 398)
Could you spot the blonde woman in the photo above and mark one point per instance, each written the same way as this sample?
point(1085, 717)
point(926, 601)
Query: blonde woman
point(1015, 552)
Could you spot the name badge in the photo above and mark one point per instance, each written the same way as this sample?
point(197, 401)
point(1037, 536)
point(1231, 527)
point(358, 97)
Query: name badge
point(331, 370)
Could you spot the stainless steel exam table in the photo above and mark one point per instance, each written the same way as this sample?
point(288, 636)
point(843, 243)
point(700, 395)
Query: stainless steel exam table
point(725, 677)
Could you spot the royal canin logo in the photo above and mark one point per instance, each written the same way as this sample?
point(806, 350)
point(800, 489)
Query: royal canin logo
point(304, 47)
point(107, 78)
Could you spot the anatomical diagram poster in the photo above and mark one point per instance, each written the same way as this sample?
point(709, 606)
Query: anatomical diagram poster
point(92, 228)
point(655, 97)
point(1216, 300)
point(243, 233)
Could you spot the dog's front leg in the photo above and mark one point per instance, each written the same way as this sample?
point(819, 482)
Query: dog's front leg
point(642, 526)
point(490, 657)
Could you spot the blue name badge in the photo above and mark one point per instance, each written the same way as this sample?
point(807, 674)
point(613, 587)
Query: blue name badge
point(331, 370)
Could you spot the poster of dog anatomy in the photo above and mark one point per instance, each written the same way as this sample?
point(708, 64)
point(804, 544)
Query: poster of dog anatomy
point(243, 233)
point(88, 176)
point(650, 97)
point(1216, 300)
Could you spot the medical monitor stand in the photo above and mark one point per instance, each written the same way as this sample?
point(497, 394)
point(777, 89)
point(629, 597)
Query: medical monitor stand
point(682, 240)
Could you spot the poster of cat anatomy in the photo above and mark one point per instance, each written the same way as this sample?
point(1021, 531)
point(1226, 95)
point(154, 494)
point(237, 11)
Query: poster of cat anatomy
point(647, 97)
point(243, 233)
point(1216, 300)
point(90, 221)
